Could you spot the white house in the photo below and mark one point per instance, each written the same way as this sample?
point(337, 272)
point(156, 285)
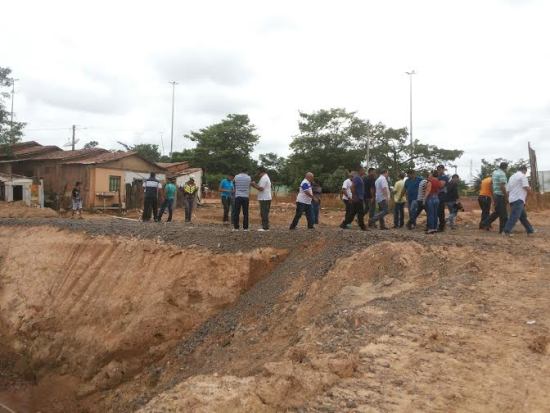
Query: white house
point(19, 188)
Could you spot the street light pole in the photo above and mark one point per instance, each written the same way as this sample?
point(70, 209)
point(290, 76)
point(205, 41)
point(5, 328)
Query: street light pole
point(411, 73)
point(12, 99)
point(173, 83)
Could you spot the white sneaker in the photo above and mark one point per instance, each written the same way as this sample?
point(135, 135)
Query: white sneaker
point(234, 229)
point(246, 230)
point(262, 230)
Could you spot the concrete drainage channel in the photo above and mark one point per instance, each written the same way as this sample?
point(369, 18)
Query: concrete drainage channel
point(85, 314)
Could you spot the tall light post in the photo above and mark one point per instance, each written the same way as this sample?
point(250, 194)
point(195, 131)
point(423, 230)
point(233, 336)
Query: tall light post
point(173, 83)
point(411, 73)
point(12, 99)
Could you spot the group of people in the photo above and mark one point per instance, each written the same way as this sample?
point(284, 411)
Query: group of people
point(152, 188)
point(501, 192)
point(365, 193)
point(368, 193)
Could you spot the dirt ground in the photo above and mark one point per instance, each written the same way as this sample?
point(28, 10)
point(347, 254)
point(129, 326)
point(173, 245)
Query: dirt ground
point(110, 314)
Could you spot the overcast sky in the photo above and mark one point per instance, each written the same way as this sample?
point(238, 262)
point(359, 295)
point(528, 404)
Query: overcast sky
point(482, 83)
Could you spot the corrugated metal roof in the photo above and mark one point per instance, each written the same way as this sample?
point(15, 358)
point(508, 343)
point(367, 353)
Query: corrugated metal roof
point(187, 171)
point(5, 176)
point(102, 158)
point(66, 155)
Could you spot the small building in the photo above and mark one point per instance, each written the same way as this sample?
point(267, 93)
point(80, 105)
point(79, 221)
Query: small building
point(17, 188)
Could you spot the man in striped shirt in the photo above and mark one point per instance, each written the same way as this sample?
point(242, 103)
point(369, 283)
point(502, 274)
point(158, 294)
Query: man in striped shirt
point(242, 181)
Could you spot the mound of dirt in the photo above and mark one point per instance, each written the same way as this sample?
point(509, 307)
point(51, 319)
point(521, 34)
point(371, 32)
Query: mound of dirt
point(100, 308)
point(20, 210)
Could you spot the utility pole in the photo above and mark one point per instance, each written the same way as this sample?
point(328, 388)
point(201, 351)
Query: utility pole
point(12, 99)
point(173, 83)
point(411, 73)
point(73, 140)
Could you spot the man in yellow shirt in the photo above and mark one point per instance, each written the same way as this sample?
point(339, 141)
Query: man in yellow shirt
point(485, 198)
point(399, 201)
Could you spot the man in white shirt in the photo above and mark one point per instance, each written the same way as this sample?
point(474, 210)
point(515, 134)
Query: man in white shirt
point(518, 188)
point(303, 202)
point(346, 193)
point(264, 197)
point(382, 199)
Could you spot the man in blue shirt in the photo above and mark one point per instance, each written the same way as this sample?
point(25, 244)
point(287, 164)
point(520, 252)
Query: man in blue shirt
point(227, 190)
point(411, 187)
point(357, 202)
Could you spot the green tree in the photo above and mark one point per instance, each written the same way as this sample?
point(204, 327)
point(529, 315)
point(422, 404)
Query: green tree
point(224, 147)
point(391, 150)
point(10, 132)
point(327, 140)
point(276, 166)
point(91, 144)
point(148, 151)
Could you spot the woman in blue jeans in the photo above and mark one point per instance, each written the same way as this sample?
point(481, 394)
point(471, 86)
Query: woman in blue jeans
point(432, 202)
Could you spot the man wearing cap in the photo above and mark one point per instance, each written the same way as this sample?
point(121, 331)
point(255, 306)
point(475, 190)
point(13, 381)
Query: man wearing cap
point(189, 193)
point(518, 188)
point(499, 199)
point(442, 194)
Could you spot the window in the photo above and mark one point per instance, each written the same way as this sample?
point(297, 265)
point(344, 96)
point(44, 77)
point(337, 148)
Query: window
point(114, 183)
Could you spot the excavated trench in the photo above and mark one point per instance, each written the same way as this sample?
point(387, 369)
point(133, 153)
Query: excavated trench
point(81, 314)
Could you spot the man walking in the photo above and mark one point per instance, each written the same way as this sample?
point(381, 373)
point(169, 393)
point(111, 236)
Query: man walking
point(264, 197)
point(303, 202)
point(76, 199)
point(518, 188)
point(169, 195)
point(357, 202)
point(370, 193)
point(151, 187)
point(382, 198)
point(499, 198)
point(346, 194)
point(418, 204)
point(451, 200)
point(227, 190)
point(411, 188)
point(399, 202)
point(242, 199)
point(442, 194)
point(189, 194)
point(485, 198)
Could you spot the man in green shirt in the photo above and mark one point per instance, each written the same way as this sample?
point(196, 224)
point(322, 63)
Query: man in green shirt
point(169, 195)
point(499, 198)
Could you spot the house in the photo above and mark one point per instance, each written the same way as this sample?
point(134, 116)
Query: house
point(104, 175)
point(20, 188)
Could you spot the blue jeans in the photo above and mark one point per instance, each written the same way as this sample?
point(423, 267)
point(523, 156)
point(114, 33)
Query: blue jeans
point(453, 212)
point(517, 211)
point(399, 214)
point(315, 209)
point(383, 211)
point(414, 211)
point(166, 204)
point(432, 207)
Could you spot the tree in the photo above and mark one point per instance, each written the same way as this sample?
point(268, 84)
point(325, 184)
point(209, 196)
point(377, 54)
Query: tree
point(276, 166)
point(328, 140)
point(391, 150)
point(224, 147)
point(145, 150)
point(10, 132)
point(91, 144)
